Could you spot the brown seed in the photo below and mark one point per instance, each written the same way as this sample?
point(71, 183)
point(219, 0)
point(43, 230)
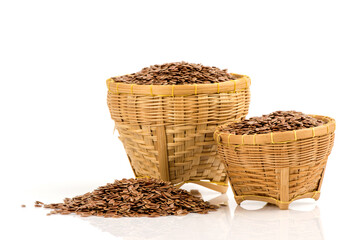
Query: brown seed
point(278, 121)
point(176, 73)
point(23, 205)
point(133, 198)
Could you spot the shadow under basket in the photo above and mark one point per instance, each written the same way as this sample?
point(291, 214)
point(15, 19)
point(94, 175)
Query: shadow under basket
point(277, 167)
point(167, 130)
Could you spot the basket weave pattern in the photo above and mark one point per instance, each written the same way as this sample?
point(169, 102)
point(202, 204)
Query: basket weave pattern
point(277, 171)
point(197, 109)
point(169, 135)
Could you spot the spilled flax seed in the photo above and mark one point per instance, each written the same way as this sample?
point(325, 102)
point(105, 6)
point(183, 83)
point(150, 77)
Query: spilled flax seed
point(133, 198)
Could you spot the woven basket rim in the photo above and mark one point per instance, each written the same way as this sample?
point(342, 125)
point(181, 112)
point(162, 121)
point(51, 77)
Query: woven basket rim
point(242, 82)
point(276, 137)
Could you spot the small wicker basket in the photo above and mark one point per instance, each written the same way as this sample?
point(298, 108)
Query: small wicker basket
point(167, 130)
point(277, 167)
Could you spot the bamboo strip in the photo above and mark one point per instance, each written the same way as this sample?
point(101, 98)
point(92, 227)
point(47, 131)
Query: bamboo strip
point(163, 161)
point(284, 186)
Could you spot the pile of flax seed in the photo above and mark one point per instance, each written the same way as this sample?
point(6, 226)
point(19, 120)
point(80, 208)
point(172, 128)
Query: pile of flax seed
point(132, 198)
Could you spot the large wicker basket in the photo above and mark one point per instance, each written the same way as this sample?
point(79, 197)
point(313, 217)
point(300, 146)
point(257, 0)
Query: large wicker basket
point(277, 167)
point(167, 129)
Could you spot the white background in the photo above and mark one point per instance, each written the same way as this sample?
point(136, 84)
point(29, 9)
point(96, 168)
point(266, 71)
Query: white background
point(57, 135)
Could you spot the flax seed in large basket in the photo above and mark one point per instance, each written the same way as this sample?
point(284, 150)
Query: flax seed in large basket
point(277, 167)
point(167, 130)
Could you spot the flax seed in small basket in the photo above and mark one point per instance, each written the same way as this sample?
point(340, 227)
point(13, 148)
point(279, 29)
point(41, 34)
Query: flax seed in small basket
point(276, 158)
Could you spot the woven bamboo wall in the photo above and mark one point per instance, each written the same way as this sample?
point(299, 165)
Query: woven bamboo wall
point(168, 131)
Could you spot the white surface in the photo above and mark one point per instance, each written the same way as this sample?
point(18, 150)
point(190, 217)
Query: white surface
point(56, 132)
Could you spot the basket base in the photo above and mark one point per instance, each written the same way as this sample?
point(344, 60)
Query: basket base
point(282, 205)
point(218, 187)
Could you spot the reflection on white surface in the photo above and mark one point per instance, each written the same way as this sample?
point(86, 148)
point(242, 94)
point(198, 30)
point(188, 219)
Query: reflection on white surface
point(251, 220)
point(268, 222)
point(214, 225)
